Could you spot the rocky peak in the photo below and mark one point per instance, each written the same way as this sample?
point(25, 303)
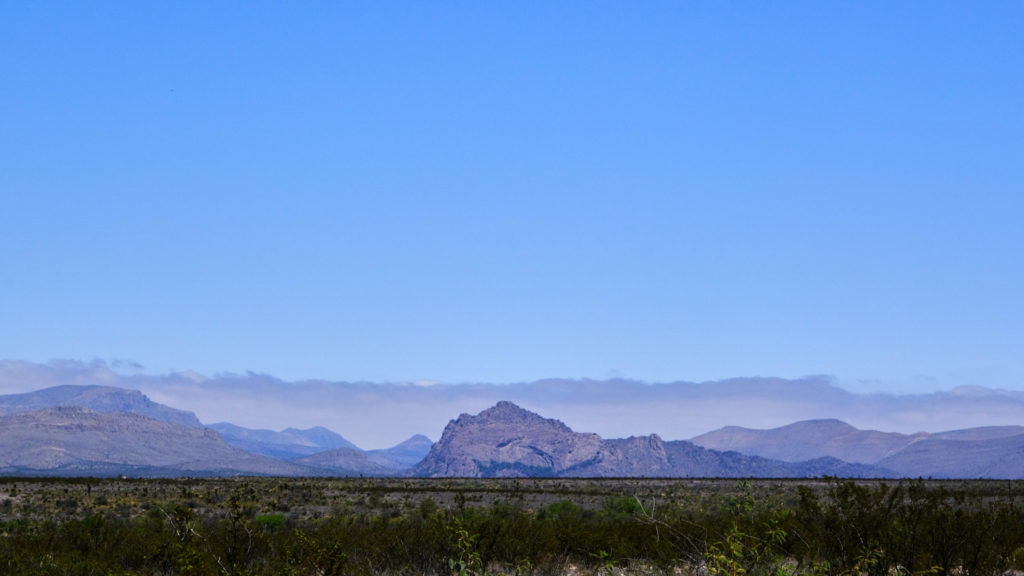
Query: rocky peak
point(506, 409)
point(508, 414)
point(506, 440)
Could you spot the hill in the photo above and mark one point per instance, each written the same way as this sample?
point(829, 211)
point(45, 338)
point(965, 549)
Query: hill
point(75, 441)
point(809, 439)
point(989, 452)
point(404, 455)
point(506, 440)
point(286, 444)
point(105, 399)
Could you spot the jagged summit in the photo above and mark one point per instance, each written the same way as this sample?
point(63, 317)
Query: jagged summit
point(507, 408)
point(506, 440)
point(100, 430)
point(510, 414)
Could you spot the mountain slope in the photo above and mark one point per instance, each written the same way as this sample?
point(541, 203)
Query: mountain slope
point(980, 433)
point(508, 441)
point(354, 462)
point(989, 452)
point(116, 430)
point(345, 462)
point(937, 457)
point(403, 455)
point(809, 439)
point(286, 444)
point(105, 399)
point(76, 441)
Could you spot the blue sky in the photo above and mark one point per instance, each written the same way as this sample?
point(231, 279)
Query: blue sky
point(503, 192)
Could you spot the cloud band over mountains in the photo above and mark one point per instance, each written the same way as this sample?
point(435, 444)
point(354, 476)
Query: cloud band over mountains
point(382, 414)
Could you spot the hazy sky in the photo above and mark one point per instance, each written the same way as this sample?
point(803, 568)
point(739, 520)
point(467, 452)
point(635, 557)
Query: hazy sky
point(508, 191)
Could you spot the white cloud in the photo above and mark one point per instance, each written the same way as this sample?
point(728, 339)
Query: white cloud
point(380, 415)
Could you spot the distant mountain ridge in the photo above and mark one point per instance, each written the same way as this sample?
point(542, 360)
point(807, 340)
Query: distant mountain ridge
point(71, 440)
point(97, 398)
point(288, 443)
point(507, 440)
point(346, 462)
point(941, 457)
point(394, 461)
point(320, 447)
point(808, 439)
point(104, 430)
point(611, 407)
point(403, 455)
point(990, 451)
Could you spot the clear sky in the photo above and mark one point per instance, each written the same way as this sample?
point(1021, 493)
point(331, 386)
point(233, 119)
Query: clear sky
point(508, 191)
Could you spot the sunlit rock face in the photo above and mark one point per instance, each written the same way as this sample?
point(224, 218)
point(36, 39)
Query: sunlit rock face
point(507, 440)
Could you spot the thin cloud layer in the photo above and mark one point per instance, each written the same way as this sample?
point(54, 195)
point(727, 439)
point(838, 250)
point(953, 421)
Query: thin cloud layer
point(374, 415)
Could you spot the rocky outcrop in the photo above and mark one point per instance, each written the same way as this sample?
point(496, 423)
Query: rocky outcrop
point(111, 431)
point(507, 440)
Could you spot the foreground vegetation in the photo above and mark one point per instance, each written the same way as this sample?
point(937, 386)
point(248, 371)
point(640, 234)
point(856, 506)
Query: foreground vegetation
point(250, 526)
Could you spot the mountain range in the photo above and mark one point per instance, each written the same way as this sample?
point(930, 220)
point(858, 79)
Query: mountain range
point(988, 451)
point(379, 414)
point(507, 440)
point(106, 399)
point(104, 430)
point(288, 443)
point(76, 441)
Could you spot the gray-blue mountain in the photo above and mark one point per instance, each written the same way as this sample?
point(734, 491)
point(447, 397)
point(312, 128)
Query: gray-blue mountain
point(286, 444)
point(989, 452)
point(103, 430)
point(71, 430)
point(105, 399)
point(326, 450)
point(76, 441)
point(507, 440)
